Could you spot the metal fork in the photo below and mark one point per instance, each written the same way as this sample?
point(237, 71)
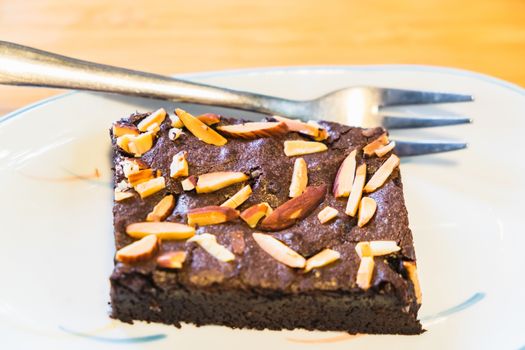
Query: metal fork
point(357, 106)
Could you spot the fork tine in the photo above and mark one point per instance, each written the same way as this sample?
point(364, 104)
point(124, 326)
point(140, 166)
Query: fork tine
point(397, 97)
point(417, 148)
point(398, 122)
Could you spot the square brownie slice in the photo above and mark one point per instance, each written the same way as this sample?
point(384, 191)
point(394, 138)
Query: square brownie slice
point(273, 225)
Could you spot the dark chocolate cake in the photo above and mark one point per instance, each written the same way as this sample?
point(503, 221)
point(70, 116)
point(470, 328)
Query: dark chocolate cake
point(275, 225)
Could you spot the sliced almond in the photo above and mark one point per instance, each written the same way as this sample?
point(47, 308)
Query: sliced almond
point(120, 128)
point(141, 176)
point(150, 187)
point(171, 260)
point(176, 122)
point(376, 144)
point(121, 195)
point(209, 118)
point(131, 166)
point(189, 183)
point(299, 126)
point(156, 117)
point(174, 133)
point(345, 176)
point(367, 209)
point(238, 198)
point(179, 165)
point(124, 140)
point(140, 250)
point(298, 147)
point(323, 134)
point(199, 129)
point(385, 149)
point(382, 174)
point(138, 145)
point(209, 243)
point(211, 215)
point(256, 212)
point(365, 272)
point(123, 186)
point(153, 129)
point(357, 190)
point(279, 251)
point(411, 268)
point(295, 209)
point(376, 248)
point(370, 132)
point(254, 130)
point(163, 230)
point(299, 178)
point(322, 258)
point(363, 249)
point(163, 209)
point(327, 214)
point(212, 182)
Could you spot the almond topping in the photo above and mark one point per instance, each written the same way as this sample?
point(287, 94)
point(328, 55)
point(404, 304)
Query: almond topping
point(212, 182)
point(238, 198)
point(363, 249)
point(211, 215)
point(179, 165)
point(171, 260)
point(357, 190)
point(376, 144)
point(299, 126)
point(385, 149)
point(279, 251)
point(327, 214)
point(382, 174)
point(123, 186)
point(365, 272)
point(371, 131)
point(163, 209)
point(150, 187)
point(322, 258)
point(174, 133)
point(376, 248)
point(176, 122)
point(153, 128)
point(411, 268)
point(256, 212)
point(209, 118)
point(298, 147)
point(288, 213)
point(121, 195)
point(367, 209)
point(299, 178)
point(138, 145)
point(140, 250)
point(163, 230)
point(345, 176)
point(156, 117)
point(323, 134)
point(189, 183)
point(131, 166)
point(209, 243)
point(199, 129)
point(120, 128)
point(140, 176)
point(254, 130)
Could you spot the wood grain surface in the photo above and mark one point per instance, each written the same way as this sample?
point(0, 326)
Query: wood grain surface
point(184, 36)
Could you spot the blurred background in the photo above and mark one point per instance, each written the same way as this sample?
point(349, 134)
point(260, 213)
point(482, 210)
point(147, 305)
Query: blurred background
point(176, 36)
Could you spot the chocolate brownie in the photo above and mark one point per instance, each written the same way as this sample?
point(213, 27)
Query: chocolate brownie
point(221, 271)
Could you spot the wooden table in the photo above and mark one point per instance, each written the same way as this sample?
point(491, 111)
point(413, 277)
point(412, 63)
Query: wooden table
point(182, 36)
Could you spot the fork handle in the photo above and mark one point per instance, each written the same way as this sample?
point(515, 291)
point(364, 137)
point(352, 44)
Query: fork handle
point(22, 65)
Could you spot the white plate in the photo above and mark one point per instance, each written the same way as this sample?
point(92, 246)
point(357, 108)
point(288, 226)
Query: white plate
point(466, 211)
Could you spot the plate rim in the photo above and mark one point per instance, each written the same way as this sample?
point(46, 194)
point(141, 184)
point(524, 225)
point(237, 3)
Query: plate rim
point(307, 68)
